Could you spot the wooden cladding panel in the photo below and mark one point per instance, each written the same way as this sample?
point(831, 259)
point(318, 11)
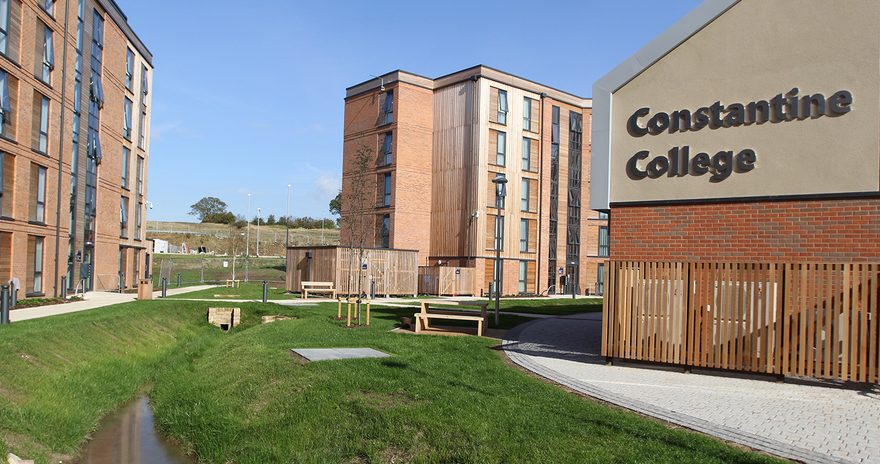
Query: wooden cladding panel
point(536, 116)
point(389, 272)
point(816, 320)
point(533, 195)
point(493, 106)
point(533, 236)
point(5, 256)
point(444, 280)
point(490, 231)
point(8, 184)
point(531, 270)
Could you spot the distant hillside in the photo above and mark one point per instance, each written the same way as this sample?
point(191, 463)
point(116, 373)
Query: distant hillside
point(218, 237)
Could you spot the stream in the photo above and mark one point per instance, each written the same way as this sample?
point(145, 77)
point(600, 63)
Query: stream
point(130, 436)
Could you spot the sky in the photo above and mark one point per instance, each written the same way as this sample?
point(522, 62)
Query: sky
point(248, 96)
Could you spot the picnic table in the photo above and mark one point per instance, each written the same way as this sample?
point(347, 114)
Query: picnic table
point(435, 309)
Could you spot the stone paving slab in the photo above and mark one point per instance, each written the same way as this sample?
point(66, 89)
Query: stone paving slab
point(806, 423)
point(329, 354)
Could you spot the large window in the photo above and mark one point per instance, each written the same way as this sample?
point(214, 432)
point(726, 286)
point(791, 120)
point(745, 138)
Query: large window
point(48, 6)
point(138, 221)
point(388, 108)
point(48, 62)
point(501, 150)
point(8, 90)
point(140, 175)
point(386, 190)
point(41, 123)
point(126, 120)
point(502, 107)
point(527, 113)
point(526, 154)
point(499, 233)
point(603, 215)
point(35, 265)
point(604, 244)
point(123, 217)
point(524, 235)
point(129, 70)
point(7, 167)
point(524, 198)
point(38, 193)
point(4, 25)
point(523, 276)
point(600, 279)
point(126, 154)
point(387, 155)
point(385, 232)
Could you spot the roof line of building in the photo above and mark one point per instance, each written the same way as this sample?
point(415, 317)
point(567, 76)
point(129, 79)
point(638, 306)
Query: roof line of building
point(121, 20)
point(478, 71)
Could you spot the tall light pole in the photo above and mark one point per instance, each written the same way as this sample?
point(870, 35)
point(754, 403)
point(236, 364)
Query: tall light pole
point(500, 192)
point(258, 231)
point(247, 246)
point(287, 223)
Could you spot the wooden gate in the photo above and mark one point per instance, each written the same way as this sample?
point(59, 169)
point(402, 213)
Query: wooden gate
point(799, 319)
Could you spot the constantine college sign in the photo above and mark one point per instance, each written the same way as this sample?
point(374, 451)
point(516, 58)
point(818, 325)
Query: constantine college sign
point(683, 161)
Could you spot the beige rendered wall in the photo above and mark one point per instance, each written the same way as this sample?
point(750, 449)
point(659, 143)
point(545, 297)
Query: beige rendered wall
point(752, 52)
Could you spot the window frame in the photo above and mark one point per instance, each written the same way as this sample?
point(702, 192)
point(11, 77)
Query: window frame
point(129, 69)
point(385, 232)
point(524, 195)
point(526, 154)
point(5, 8)
point(48, 62)
point(388, 107)
point(40, 194)
point(127, 109)
point(386, 189)
point(523, 274)
point(140, 175)
point(39, 257)
point(527, 114)
point(604, 250)
point(6, 111)
point(501, 117)
point(500, 148)
point(388, 149)
point(43, 138)
point(524, 235)
point(123, 217)
point(126, 167)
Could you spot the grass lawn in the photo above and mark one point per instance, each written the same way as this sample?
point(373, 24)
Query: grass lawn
point(552, 306)
point(240, 396)
point(247, 291)
point(202, 269)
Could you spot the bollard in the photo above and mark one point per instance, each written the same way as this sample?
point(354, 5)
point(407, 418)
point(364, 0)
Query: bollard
point(178, 280)
point(121, 288)
point(63, 287)
point(164, 287)
point(4, 304)
point(265, 291)
point(13, 297)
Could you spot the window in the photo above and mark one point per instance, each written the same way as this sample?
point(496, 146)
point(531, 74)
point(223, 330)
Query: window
point(35, 263)
point(524, 235)
point(123, 217)
point(142, 127)
point(388, 108)
point(126, 154)
point(526, 153)
point(501, 150)
point(145, 85)
point(7, 169)
point(129, 70)
point(386, 190)
point(499, 233)
point(523, 272)
point(41, 123)
point(126, 120)
point(8, 90)
point(94, 148)
point(96, 91)
point(138, 221)
point(38, 193)
point(603, 215)
point(386, 149)
point(385, 232)
point(140, 175)
point(604, 244)
point(48, 63)
point(502, 107)
point(524, 198)
point(4, 25)
point(48, 6)
point(600, 279)
point(527, 114)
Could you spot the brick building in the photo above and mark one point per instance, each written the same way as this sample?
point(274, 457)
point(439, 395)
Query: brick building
point(74, 146)
point(426, 151)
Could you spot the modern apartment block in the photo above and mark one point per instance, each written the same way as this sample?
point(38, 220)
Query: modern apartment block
point(74, 146)
point(436, 144)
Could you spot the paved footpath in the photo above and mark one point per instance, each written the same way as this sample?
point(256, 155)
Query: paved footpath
point(93, 300)
point(807, 423)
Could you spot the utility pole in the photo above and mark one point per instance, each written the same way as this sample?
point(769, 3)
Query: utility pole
point(247, 246)
point(287, 223)
point(259, 210)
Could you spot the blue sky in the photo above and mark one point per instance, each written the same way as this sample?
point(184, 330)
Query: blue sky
point(248, 96)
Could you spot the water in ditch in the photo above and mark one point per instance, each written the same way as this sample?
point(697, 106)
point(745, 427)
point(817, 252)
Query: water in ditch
point(130, 436)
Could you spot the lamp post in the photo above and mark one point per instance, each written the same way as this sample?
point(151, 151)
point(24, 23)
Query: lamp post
point(247, 247)
point(500, 192)
point(259, 210)
point(287, 223)
point(571, 276)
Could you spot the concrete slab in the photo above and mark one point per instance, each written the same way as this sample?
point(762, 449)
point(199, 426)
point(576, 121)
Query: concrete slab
point(329, 354)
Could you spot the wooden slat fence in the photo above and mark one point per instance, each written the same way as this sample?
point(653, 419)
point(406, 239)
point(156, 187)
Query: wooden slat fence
point(816, 320)
point(446, 280)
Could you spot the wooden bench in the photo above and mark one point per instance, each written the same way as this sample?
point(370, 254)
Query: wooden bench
point(318, 287)
point(422, 318)
point(233, 283)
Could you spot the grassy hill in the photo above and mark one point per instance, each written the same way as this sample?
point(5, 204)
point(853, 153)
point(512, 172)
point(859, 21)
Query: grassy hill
point(219, 237)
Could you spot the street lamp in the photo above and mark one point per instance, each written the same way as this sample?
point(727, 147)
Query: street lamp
point(500, 192)
point(247, 246)
point(571, 277)
point(258, 231)
point(287, 223)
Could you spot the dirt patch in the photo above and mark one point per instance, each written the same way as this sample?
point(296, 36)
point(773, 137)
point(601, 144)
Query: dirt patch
point(394, 455)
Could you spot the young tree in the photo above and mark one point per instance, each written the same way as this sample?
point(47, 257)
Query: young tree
point(270, 221)
point(206, 207)
point(336, 208)
point(357, 216)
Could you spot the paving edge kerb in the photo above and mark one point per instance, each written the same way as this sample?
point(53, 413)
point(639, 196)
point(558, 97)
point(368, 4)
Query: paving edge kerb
point(750, 440)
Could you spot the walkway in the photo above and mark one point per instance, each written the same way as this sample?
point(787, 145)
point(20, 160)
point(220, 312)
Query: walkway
point(803, 422)
point(93, 300)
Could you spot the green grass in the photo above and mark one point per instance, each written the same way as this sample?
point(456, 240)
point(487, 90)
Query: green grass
point(247, 291)
point(35, 302)
point(202, 269)
point(241, 397)
point(551, 306)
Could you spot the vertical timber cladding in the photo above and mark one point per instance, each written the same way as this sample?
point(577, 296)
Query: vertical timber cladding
point(554, 200)
point(573, 230)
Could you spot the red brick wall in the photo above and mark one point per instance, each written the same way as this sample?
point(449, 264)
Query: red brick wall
point(826, 230)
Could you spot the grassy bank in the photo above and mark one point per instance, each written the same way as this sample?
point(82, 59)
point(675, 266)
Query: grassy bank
point(201, 269)
point(241, 397)
point(247, 291)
